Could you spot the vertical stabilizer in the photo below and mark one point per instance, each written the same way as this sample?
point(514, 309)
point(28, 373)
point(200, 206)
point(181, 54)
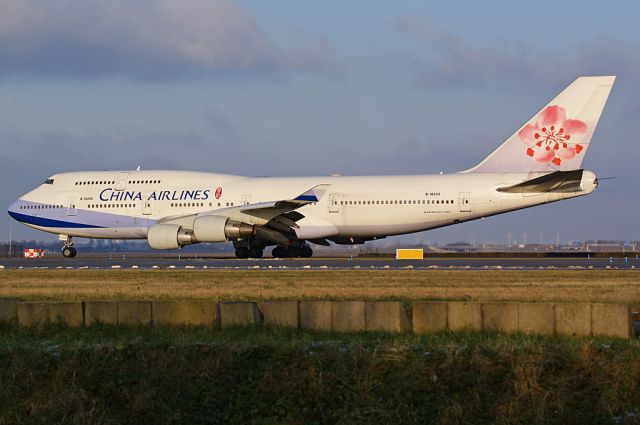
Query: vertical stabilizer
point(557, 137)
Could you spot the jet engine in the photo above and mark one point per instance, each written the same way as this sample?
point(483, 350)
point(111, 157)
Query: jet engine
point(209, 228)
point(169, 236)
point(216, 228)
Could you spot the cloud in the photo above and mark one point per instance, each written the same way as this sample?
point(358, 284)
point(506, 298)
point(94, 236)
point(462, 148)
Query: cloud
point(442, 57)
point(221, 128)
point(148, 39)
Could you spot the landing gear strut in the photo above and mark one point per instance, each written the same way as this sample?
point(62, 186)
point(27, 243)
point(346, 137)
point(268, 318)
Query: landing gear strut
point(68, 251)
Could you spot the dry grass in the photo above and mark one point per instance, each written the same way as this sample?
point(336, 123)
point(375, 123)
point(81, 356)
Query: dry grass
point(570, 285)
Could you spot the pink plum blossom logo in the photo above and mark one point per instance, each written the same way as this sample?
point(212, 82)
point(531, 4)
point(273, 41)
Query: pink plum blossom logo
point(552, 137)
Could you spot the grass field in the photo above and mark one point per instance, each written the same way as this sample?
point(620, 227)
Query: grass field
point(263, 375)
point(272, 376)
point(567, 285)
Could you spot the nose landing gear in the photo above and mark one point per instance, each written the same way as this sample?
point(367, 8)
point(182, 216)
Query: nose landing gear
point(68, 251)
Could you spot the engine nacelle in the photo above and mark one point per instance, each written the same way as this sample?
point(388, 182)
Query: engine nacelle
point(216, 228)
point(169, 236)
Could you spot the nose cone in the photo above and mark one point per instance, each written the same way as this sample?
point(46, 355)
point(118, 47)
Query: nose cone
point(14, 208)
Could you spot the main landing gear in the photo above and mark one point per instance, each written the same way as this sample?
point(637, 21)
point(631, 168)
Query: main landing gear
point(68, 251)
point(302, 250)
point(252, 248)
point(253, 252)
point(248, 248)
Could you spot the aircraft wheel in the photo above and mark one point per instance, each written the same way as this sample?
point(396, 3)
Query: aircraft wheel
point(69, 252)
point(277, 252)
point(255, 253)
point(242, 252)
point(306, 252)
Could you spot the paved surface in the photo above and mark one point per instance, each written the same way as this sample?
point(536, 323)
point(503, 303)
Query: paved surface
point(150, 262)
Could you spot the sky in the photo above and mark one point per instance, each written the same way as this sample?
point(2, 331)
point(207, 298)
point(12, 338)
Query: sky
point(293, 88)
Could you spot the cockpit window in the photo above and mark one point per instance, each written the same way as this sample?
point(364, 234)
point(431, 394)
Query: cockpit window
point(48, 181)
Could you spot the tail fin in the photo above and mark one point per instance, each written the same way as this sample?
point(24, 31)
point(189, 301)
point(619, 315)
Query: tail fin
point(557, 137)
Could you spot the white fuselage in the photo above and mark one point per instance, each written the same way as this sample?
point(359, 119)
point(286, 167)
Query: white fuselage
point(123, 205)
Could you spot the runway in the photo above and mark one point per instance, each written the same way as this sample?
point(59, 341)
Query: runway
point(128, 261)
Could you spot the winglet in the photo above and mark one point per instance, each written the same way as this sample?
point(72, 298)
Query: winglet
point(313, 194)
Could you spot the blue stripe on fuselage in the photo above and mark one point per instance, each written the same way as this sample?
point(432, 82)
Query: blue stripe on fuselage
point(47, 222)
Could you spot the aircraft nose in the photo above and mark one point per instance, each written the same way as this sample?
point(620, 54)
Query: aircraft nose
point(13, 208)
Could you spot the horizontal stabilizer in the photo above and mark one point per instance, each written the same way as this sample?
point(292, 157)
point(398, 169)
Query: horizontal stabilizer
point(559, 181)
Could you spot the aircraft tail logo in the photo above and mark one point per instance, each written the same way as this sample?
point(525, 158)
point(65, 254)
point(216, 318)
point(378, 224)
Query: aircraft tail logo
point(553, 138)
point(557, 137)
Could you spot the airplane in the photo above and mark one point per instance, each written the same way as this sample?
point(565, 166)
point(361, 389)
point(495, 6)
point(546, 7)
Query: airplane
point(538, 164)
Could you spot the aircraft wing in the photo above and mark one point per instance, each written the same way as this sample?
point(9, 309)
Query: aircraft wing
point(261, 213)
point(269, 210)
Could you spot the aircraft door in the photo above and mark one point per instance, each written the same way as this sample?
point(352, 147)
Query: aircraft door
point(465, 202)
point(246, 199)
point(71, 206)
point(147, 205)
point(121, 182)
point(334, 202)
